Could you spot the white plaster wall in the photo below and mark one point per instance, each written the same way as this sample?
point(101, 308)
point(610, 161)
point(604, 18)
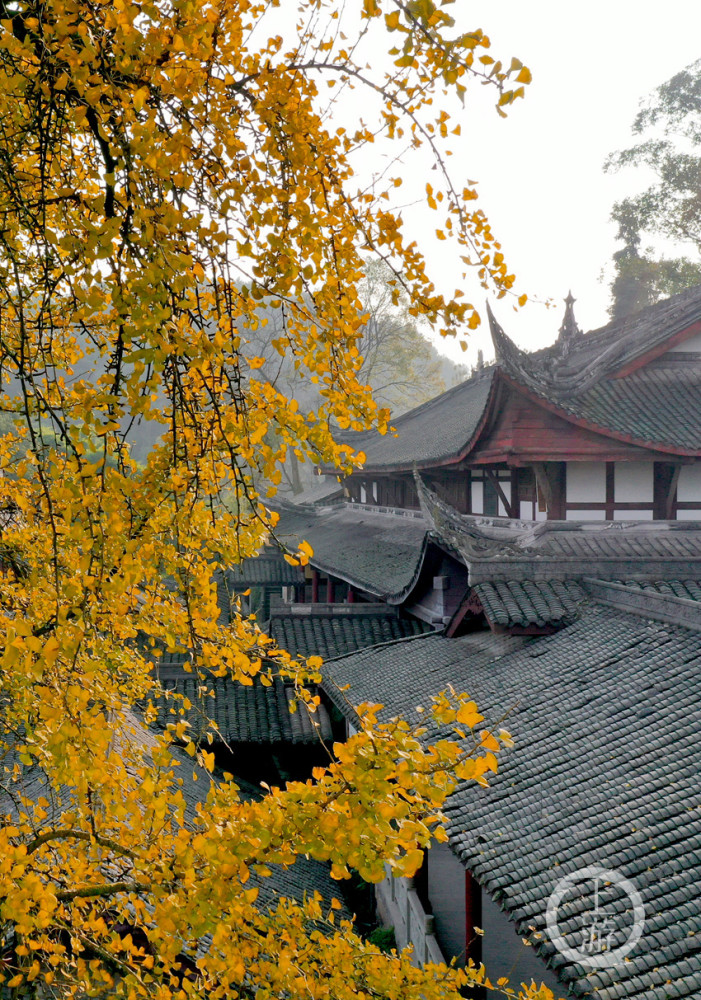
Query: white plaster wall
point(632, 515)
point(504, 953)
point(363, 495)
point(446, 891)
point(689, 484)
point(586, 515)
point(633, 482)
point(689, 515)
point(586, 482)
point(692, 344)
point(502, 509)
point(477, 497)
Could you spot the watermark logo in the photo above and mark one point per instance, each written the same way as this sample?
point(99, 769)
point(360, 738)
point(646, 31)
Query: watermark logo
point(604, 935)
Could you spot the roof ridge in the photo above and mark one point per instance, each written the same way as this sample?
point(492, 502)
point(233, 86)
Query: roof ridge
point(679, 611)
point(338, 694)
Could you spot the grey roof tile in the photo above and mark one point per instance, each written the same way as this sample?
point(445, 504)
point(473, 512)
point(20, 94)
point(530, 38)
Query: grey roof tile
point(606, 716)
point(656, 406)
point(688, 589)
point(326, 633)
point(269, 568)
point(525, 603)
point(380, 552)
point(435, 431)
point(255, 713)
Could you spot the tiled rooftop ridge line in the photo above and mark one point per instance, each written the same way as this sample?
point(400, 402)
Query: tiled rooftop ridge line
point(509, 550)
point(320, 508)
point(645, 602)
point(555, 373)
point(279, 609)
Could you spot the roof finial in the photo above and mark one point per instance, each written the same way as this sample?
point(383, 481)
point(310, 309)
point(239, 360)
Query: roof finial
point(569, 331)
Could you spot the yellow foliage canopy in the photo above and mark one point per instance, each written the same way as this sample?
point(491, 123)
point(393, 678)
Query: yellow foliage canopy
point(167, 172)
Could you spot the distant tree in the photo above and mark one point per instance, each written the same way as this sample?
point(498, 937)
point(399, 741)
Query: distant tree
point(400, 365)
point(669, 127)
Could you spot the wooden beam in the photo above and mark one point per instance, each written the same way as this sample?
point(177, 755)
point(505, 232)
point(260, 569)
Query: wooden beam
point(470, 605)
point(543, 490)
point(672, 494)
point(500, 493)
point(550, 483)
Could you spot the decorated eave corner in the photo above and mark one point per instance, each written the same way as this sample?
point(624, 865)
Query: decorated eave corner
point(541, 523)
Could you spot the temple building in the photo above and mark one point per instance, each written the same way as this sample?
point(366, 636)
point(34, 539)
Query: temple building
point(599, 426)
point(540, 524)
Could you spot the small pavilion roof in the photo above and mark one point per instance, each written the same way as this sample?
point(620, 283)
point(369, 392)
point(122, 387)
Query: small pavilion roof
point(329, 630)
point(377, 550)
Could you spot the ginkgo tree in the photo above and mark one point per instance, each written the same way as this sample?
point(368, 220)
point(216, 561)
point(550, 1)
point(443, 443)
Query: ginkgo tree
point(170, 170)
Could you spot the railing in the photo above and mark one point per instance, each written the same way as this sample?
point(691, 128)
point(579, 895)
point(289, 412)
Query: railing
point(399, 905)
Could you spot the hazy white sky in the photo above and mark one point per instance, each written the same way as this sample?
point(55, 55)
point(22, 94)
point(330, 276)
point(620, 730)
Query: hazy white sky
point(540, 171)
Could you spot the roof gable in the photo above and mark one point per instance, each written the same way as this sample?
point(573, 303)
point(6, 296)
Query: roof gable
point(613, 382)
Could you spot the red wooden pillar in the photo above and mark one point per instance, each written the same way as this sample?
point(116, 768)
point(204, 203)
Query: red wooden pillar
point(329, 590)
point(315, 586)
point(350, 596)
point(473, 918)
point(665, 490)
point(515, 499)
point(558, 499)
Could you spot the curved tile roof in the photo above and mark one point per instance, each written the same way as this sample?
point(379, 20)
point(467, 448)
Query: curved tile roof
point(265, 569)
point(606, 716)
point(315, 630)
point(541, 603)
point(255, 713)
point(656, 406)
point(435, 432)
point(378, 551)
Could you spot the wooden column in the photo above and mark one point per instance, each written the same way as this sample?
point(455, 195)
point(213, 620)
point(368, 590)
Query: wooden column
point(515, 505)
point(551, 480)
point(473, 918)
point(610, 490)
point(329, 590)
point(350, 596)
point(666, 477)
point(315, 586)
